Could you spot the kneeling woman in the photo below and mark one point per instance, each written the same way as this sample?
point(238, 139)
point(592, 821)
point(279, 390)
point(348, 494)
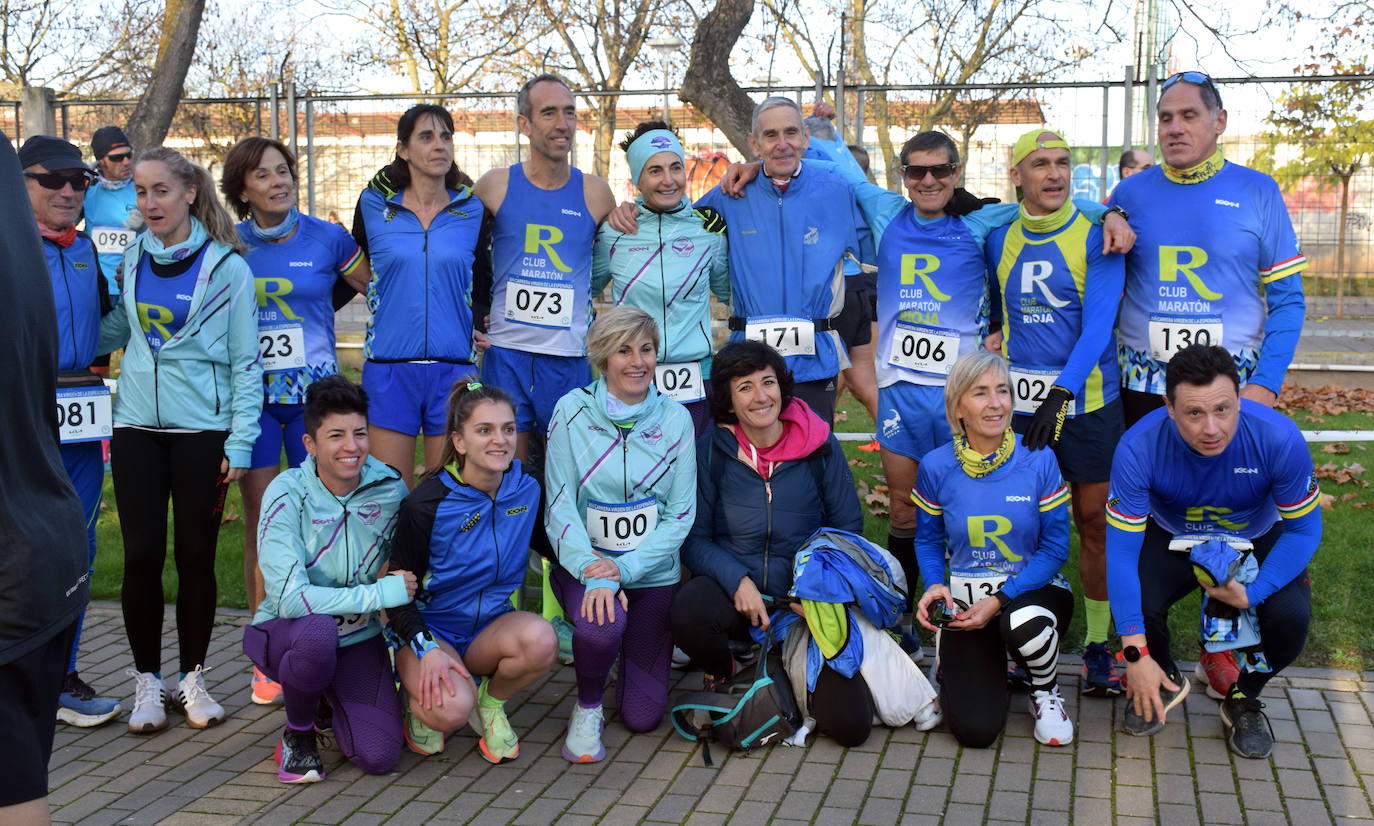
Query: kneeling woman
point(768, 475)
point(465, 531)
point(622, 494)
point(1000, 513)
point(321, 543)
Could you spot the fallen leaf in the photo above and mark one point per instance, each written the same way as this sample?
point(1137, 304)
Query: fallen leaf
point(1360, 504)
point(859, 463)
point(230, 515)
point(841, 416)
point(1355, 468)
point(1336, 447)
point(1328, 502)
point(878, 511)
point(1346, 497)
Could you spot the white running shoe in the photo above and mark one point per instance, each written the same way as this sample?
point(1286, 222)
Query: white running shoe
point(149, 712)
point(195, 702)
point(1052, 724)
point(583, 743)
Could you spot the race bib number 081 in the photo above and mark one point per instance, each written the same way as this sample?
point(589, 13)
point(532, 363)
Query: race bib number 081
point(539, 303)
point(924, 349)
point(282, 348)
point(83, 414)
point(680, 382)
point(789, 336)
point(1029, 386)
point(618, 529)
point(1169, 334)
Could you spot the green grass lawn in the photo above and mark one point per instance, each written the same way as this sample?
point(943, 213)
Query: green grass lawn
point(1341, 570)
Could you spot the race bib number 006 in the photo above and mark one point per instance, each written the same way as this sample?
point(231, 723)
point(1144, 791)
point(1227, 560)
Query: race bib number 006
point(680, 382)
point(924, 349)
point(618, 529)
point(282, 348)
point(539, 303)
point(789, 336)
point(111, 239)
point(1169, 334)
point(83, 414)
point(967, 587)
point(1029, 386)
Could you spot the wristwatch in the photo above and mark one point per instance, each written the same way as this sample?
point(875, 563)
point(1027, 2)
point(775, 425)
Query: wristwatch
point(1119, 211)
point(1133, 654)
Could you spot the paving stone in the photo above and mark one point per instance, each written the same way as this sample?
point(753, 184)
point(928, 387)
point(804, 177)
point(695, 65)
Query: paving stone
point(1175, 788)
point(1347, 801)
point(880, 812)
point(1136, 801)
point(1176, 814)
point(1014, 776)
point(1297, 783)
point(970, 788)
point(1307, 812)
point(1052, 794)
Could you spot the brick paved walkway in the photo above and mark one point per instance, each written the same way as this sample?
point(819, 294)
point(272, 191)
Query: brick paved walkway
point(1322, 769)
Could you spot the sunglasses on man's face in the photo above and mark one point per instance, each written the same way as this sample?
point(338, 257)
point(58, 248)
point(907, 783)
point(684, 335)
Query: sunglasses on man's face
point(56, 180)
point(916, 172)
point(120, 158)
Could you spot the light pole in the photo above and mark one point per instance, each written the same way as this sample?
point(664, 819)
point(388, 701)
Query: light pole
point(665, 46)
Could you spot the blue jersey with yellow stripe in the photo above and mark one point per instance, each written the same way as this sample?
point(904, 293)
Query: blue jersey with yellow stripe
point(1215, 260)
point(1059, 295)
point(1265, 473)
point(1013, 521)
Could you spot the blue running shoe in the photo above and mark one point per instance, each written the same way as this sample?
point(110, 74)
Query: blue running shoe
point(1099, 671)
point(564, 630)
point(78, 704)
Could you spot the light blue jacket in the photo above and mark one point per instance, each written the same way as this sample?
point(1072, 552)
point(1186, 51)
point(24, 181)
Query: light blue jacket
point(320, 553)
point(206, 377)
point(592, 459)
point(668, 269)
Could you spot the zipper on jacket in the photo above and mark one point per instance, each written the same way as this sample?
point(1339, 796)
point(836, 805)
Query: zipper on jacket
point(663, 286)
point(214, 378)
point(425, 250)
point(71, 304)
point(768, 536)
point(482, 594)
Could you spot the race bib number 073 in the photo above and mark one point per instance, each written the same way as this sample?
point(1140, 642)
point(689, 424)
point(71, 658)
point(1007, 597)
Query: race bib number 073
point(789, 336)
point(539, 303)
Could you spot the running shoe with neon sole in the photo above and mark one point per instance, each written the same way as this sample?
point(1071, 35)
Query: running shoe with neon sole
point(499, 743)
point(298, 760)
point(1137, 725)
point(150, 700)
point(78, 704)
point(583, 743)
point(421, 738)
point(1100, 678)
point(266, 692)
point(1218, 671)
point(192, 699)
point(564, 630)
point(1052, 724)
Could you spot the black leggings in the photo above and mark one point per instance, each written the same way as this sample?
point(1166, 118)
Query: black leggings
point(973, 664)
point(704, 620)
point(1167, 576)
point(148, 466)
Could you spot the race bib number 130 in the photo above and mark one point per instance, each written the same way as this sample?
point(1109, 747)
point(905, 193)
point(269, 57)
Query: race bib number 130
point(1169, 334)
point(967, 587)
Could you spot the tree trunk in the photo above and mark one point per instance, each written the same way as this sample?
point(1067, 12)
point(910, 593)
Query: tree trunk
point(152, 117)
point(1340, 247)
point(708, 84)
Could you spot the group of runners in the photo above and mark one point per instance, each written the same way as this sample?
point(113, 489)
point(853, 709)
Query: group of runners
point(624, 448)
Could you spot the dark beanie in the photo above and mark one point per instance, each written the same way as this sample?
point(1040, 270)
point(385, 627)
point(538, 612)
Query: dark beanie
point(107, 138)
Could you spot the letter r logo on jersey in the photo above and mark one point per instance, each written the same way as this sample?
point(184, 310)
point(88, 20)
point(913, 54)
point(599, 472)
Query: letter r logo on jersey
point(1172, 261)
point(275, 288)
point(920, 264)
point(985, 529)
point(1201, 513)
point(1033, 275)
point(539, 236)
point(153, 315)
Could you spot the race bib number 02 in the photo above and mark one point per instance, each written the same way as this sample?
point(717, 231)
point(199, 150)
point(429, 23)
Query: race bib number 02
point(1169, 334)
point(349, 623)
point(680, 382)
point(83, 414)
point(282, 348)
point(618, 529)
point(539, 303)
point(967, 587)
point(1029, 386)
point(789, 336)
point(111, 239)
point(924, 349)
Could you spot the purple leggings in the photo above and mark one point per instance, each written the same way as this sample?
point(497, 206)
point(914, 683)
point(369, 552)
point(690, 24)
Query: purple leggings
point(644, 646)
point(304, 656)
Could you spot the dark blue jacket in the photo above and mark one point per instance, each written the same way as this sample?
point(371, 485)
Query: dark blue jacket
point(746, 526)
point(78, 290)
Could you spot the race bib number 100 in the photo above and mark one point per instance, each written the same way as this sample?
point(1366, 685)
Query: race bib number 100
point(924, 349)
point(789, 336)
point(83, 414)
point(618, 529)
point(539, 303)
point(680, 382)
point(1169, 334)
point(282, 348)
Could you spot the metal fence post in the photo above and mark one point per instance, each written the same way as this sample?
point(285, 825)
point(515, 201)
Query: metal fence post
point(309, 154)
point(1150, 90)
point(291, 117)
point(276, 124)
point(1106, 92)
point(1129, 86)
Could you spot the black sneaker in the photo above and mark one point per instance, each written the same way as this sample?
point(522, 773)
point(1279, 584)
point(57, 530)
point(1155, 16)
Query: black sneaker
point(298, 761)
point(1138, 725)
point(1245, 726)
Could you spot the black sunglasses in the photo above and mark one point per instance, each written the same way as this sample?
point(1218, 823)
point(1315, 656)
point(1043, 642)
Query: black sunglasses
point(56, 180)
point(916, 172)
point(120, 158)
point(1195, 78)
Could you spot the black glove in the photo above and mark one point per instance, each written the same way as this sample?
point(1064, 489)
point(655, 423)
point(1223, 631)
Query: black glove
point(1048, 421)
point(962, 202)
point(711, 220)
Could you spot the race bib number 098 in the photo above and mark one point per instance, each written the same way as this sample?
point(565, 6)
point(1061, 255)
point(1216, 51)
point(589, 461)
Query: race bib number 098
point(1029, 386)
point(618, 529)
point(111, 239)
point(539, 303)
point(1170, 334)
point(282, 348)
point(83, 414)
point(924, 349)
point(789, 336)
point(680, 382)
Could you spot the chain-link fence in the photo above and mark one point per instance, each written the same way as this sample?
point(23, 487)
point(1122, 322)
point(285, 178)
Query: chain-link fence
point(343, 140)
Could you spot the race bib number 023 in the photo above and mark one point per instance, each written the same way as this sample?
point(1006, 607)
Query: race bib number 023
point(789, 336)
point(924, 349)
point(618, 529)
point(111, 239)
point(680, 382)
point(539, 303)
point(1169, 334)
point(1029, 386)
point(967, 587)
point(83, 414)
point(282, 348)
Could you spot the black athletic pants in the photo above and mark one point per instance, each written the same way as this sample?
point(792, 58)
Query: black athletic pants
point(704, 620)
point(148, 467)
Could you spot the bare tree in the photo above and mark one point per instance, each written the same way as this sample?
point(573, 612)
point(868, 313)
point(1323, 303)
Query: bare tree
point(61, 44)
point(708, 84)
point(153, 114)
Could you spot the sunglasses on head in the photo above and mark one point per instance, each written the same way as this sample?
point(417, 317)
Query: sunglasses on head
point(119, 158)
point(56, 180)
point(1195, 78)
point(917, 172)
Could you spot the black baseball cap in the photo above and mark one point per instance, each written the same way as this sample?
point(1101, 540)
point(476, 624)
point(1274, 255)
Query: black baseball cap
point(53, 153)
point(107, 138)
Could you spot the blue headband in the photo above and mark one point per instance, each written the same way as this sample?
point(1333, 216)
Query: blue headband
point(648, 145)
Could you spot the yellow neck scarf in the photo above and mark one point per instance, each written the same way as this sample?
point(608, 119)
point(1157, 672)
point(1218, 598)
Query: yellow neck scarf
point(977, 465)
point(1195, 174)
